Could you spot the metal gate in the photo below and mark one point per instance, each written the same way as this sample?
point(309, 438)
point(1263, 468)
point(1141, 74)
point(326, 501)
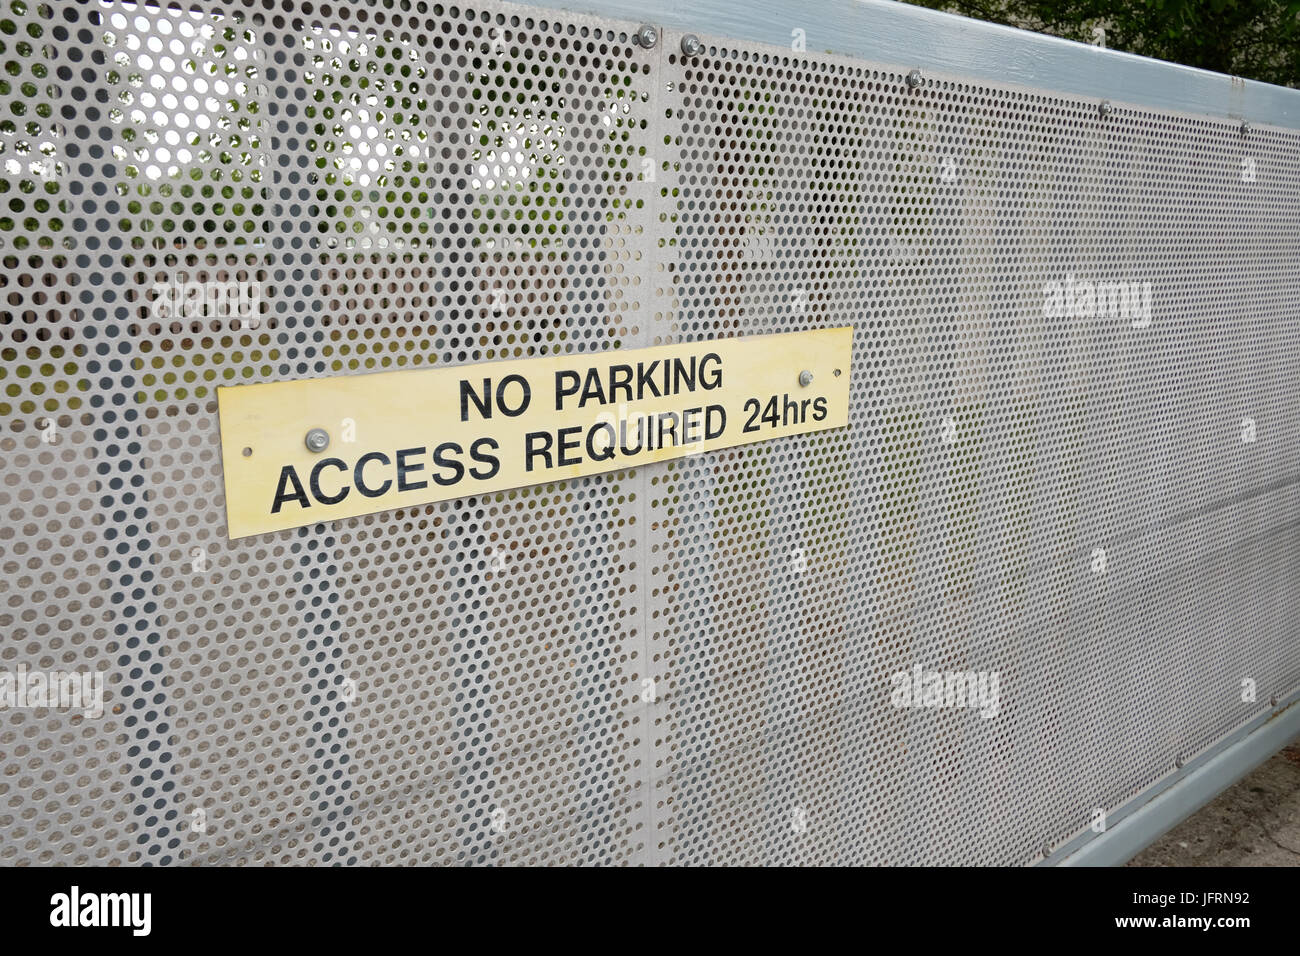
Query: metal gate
point(1071, 463)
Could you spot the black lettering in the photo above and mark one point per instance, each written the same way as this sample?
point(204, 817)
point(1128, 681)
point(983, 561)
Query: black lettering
point(440, 459)
point(492, 461)
point(819, 409)
point(789, 410)
point(609, 450)
point(484, 404)
point(708, 381)
point(711, 433)
point(404, 468)
point(671, 429)
point(561, 391)
point(564, 434)
point(643, 380)
point(690, 426)
point(501, 395)
point(530, 451)
point(314, 481)
point(640, 434)
point(592, 390)
point(358, 476)
point(620, 378)
point(287, 474)
point(680, 372)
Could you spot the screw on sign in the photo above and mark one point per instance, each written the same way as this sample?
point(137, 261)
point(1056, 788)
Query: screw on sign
point(317, 439)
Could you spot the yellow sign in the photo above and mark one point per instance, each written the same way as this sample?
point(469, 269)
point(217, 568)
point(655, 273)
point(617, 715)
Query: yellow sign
point(295, 453)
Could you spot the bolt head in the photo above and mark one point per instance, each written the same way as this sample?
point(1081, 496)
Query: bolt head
point(805, 378)
point(1106, 108)
point(691, 45)
point(914, 79)
point(647, 36)
point(317, 439)
point(1272, 702)
point(1245, 128)
point(1179, 761)
point(1047, 851)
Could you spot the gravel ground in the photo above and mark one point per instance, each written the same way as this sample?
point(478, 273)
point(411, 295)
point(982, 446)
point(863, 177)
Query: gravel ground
point(1256, 822)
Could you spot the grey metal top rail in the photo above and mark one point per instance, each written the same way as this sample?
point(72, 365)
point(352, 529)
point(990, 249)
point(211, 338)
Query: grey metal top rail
point(901, 33)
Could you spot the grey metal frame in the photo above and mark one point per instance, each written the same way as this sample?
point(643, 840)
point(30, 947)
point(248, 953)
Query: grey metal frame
point(380, 690)
point(919, 37)
point(1147, 817)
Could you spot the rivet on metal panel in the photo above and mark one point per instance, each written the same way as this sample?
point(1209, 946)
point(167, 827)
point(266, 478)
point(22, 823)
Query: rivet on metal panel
point(805, 378)
point(691, 45)
point(317, 439)
point(647, 36)
point(1245, 128)
point(914, 79)
point(1106, 108)
point(1179, 761)
point(1272, 702)
point(1047, 850)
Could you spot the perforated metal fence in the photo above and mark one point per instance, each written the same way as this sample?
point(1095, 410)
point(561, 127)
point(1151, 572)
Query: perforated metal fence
point(1094, 498)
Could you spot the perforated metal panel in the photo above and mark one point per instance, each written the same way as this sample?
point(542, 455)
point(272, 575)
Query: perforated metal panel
point(690, 662)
